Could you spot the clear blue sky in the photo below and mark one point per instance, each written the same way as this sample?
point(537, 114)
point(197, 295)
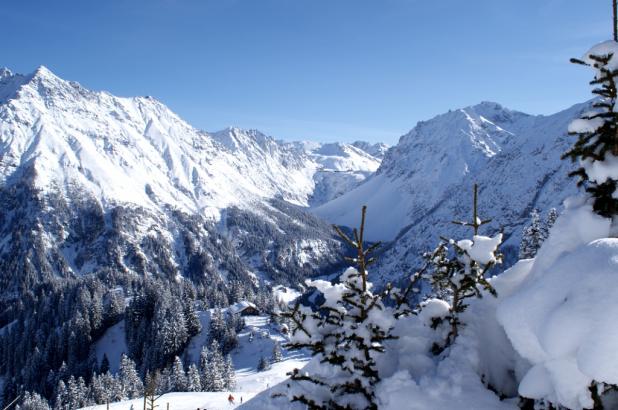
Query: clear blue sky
point(313, 69)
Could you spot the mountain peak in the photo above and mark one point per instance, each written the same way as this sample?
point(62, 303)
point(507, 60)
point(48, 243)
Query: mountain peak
point(495, 112)
point(490, 105)
point(5, 72)
point(44, 73)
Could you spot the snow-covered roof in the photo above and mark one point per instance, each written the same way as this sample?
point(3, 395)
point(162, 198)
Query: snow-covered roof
point(241, 306)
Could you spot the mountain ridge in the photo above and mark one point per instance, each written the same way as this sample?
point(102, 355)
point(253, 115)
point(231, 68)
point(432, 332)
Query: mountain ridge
point(425, 181)
point(93, 183)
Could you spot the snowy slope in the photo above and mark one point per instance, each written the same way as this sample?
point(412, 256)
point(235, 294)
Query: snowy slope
point(249, 381)
point(112, 344)
point(425, 181)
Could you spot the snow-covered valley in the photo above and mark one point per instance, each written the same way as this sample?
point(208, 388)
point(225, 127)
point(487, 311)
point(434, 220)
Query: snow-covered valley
point(140, 256)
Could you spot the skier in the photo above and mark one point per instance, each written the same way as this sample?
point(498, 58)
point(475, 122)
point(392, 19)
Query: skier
point(230, 399)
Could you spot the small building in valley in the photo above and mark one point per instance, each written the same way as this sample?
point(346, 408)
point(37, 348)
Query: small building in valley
point(244, 308)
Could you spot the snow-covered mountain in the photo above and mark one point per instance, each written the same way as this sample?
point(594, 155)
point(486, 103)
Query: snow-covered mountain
point(425, 181)
point(136, 150)
point(309, 173)
point(377, 149)
point(92, 181)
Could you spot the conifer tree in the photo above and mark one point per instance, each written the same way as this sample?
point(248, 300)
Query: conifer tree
point(62, 397)
point(33, 401)
point(104, 388)
point(130, 383)
point(459, 269)
point(194, 326)
point(203, 368)
point(164, 381)
point(213, 374)
point(532, 236)
point(76, 393)
point(596, 148)
point(552, 216)
point(216, 330)
point(104, 368)
point(178, 376)
point(277, 355)
point(263, 364)
point(345, 335)
point(230, 374)
point(194, 383)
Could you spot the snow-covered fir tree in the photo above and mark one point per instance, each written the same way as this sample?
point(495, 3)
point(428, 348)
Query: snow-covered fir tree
point(596, 148)
point(277, 355)
point(217, 326)
point(535, 233)
point(61, 399)
point(532, 236)
point(105, 388)
point(346, 336)
point(552, 216)
point(33, 401)
point(194, 326)
point(229, 374)
point(194, 383)
point(203, 365)
point(459, 271)
point(77, 393)
point(214, 371)
point(221, 331)
point(178, 375)
point(164, 381)
point(263, 364)
point(130, 383)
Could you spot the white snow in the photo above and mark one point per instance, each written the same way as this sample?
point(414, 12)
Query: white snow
point(560, 319)
point(585, 125)
point(601, 171)
point(481, 248)
point(113, 344)
point(606, 48)
point(285, 294)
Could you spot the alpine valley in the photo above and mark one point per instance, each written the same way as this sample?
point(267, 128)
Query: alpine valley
point(109, 204)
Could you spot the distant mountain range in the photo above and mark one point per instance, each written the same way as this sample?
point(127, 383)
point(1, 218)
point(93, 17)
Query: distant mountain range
point(91, 181)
